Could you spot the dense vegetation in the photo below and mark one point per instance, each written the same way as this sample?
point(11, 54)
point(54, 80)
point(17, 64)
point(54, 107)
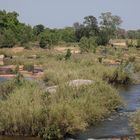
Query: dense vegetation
point(30, 111)
point(13, 32)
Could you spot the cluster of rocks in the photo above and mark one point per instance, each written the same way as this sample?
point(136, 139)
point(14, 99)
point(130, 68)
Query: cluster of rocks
point(72, 83)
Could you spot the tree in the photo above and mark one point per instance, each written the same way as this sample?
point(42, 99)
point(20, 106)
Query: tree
point(110, 23)
point(25, 33)
point(80, 31)
point(90, 22)
point(7, 39)
point(38, 29)
point(102, 38)
point(67, 34)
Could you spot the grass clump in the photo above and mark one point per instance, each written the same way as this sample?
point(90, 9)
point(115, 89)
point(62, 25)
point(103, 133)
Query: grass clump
point(136, 123)
point(28, 110)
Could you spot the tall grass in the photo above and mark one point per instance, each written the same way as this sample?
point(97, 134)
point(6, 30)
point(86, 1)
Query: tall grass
point(30, 111)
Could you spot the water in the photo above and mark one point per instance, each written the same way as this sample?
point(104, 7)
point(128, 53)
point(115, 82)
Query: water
point(118, 125)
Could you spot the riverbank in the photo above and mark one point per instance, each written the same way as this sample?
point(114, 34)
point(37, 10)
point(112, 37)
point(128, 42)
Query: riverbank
point(26, 108)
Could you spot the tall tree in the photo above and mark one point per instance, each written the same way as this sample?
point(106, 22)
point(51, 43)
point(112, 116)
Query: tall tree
point(90, 22)
point(110, 23)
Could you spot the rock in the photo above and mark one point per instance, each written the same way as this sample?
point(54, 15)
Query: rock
point(74, 83)
point(80, 82)
point(51, 89)
point(32, 57)
point(1, 57)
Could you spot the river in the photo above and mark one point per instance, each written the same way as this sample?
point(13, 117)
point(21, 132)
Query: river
point(117, 125)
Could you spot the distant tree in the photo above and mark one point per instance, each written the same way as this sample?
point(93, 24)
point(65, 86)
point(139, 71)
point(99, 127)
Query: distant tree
point(7, 39)
point(67, 34)
point(38, 29)
point(80, 31)
point(131, 34)
point(90, 22)
point(121, 33)
point(110, 23)
point(102, 38)
point(25, 34)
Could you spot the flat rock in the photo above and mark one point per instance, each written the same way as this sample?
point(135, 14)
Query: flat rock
point(51, 89)
point(72, 83)
point(80, 82)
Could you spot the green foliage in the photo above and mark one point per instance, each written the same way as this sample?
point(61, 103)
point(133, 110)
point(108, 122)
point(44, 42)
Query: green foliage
point(130, 44)
point(110, 23)
point(29, 111)
point(38, 29)
point(138, 43)
point(12, 31)
point(103, 38)
point(7, 39)
point(88, 45)
point(67, 34)
point(100, 59)
point(29, 67)
point(68, 54)
point(6, 88)
point(119, 76)
point(42, 42)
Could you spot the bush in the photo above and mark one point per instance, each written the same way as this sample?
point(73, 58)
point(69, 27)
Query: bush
point(103, 38)
point(42, 42)
point(28, 67)
point(68, 54)
point(88, 45)
point(8, 39)
point(119, 76)
point(6, 88)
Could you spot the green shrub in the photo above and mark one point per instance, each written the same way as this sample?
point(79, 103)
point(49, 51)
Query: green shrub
point(6, 88)
point(21, 113)
point(28, 67)
point(68, 54)
point(88, 44)
point(43, 42)
point(119, 76)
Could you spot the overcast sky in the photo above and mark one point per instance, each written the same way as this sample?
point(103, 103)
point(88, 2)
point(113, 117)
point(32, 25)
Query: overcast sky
point(61, 13)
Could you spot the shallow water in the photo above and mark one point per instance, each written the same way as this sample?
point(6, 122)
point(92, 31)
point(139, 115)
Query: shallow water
point(118, 125)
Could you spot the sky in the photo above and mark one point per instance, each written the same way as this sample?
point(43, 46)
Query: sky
point(62, 13)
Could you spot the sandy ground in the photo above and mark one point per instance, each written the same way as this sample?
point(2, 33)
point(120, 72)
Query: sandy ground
point(17, 49)
point(64, 49)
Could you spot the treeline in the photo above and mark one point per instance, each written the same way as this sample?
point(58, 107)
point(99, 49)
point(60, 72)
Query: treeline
point(13, 32)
